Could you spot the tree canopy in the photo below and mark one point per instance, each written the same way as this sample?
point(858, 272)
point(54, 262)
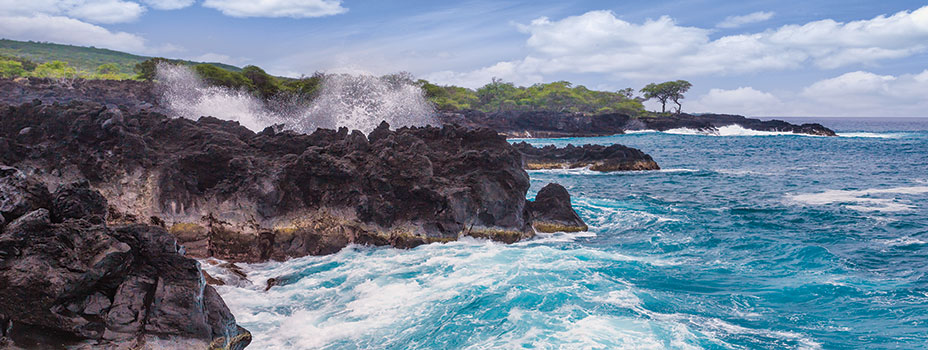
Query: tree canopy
point(667, 91)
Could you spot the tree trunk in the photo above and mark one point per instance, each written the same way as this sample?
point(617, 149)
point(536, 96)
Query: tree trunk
point(679, 107)
point(663, 107)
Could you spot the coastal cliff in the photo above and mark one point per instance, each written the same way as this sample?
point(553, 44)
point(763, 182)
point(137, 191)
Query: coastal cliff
point(227, 192)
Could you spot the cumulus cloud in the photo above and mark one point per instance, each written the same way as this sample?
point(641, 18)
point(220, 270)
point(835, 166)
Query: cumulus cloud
point(854, 94)
point(61, 29)
point(168, 4)
point(95, 11)
point(737, 21)
point(277, 8)
point(743, 100)
point(601, 43)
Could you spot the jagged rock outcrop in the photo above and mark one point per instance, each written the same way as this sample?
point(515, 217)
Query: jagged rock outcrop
point(540, 124)
point(552, 212)
point(711, 122)
point(70, 281)
point(543, 124)
point(596, 157)
point(227, 192)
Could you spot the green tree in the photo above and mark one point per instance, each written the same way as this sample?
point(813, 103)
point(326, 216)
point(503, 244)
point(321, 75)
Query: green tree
point(148, 69)
point(677, 89)
point(304, 87)
point(11, 69)
point(108, 68)
point(220, 77)
point(54, 69)
point(667, 91)
point(265, 85)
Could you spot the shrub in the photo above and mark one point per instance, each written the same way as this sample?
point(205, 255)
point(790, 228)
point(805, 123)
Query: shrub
point(217, 76)
point(11, 69)
point(54, 69)
point(264, 84)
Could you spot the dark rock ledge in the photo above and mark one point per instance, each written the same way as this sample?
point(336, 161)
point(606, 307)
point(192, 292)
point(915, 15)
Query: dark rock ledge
point(596, 157)
point(227, 192)
point(69, 280)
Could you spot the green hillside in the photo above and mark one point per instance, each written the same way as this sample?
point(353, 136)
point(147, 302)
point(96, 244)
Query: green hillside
point(85, 59)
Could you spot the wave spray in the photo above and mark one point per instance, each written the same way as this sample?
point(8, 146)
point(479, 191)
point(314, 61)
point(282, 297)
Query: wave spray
point(354, 101)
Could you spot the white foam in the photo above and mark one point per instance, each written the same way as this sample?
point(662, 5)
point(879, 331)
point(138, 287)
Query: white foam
point(872, 135)
point(861, 200)
point(730, 130)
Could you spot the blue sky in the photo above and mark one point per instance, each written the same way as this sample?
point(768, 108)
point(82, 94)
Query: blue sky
point(762, 58)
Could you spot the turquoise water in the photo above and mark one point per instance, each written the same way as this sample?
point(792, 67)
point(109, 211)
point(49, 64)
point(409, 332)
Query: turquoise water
point(741, 242)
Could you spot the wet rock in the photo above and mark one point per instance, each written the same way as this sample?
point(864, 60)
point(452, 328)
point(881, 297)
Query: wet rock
point(552, 212)
point(596, 157)
point(81, 283)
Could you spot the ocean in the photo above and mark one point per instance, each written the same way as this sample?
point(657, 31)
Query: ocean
point(744, 240)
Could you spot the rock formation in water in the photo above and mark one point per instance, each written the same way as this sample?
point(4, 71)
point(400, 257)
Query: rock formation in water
point(70, 280)
point(227, 192)
point(566, 124)
point(596, 157)
point(552, 211)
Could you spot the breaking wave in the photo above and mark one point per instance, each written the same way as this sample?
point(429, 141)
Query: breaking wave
point(358, 102)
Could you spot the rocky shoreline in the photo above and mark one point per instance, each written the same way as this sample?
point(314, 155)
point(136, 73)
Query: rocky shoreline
point(227, 192)
point(68, 279)
point(542, 124)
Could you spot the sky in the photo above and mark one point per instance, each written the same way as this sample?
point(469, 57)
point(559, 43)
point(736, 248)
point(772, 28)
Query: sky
point(750, 57)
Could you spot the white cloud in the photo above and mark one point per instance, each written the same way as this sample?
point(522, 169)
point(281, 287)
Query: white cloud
point(168, 4)
point(96, 11)
point(743, 100)
point(854, 94)
point(277, 8)
point(60, 29)
point(599, 42)
point(737, 21)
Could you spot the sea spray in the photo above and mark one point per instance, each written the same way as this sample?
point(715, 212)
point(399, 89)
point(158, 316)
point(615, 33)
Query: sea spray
point(185, 95)
point(361, 101)
point(354, 101)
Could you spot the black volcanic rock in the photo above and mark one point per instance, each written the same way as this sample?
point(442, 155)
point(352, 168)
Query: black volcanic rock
point(552, 212)
point(134, 95)
point(228, 192)
point(69, 280)
point(596, 157)
point(542, 124)
point(711, 122)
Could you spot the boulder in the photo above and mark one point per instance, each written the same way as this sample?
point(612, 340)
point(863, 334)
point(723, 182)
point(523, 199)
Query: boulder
point(551, 211)
point(76, 282)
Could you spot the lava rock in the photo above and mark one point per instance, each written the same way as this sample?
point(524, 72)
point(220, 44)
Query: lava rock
point(568, 124)
point(227, 192)
point(20, 194)
point(551, 211)
point(77, 283)
point(596, 157)
point(78, 200)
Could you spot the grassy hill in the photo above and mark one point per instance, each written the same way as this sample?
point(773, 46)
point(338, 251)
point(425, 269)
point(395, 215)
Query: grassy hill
point(82, 58)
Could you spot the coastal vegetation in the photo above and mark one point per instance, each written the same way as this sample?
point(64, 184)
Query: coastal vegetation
point(45, 60)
